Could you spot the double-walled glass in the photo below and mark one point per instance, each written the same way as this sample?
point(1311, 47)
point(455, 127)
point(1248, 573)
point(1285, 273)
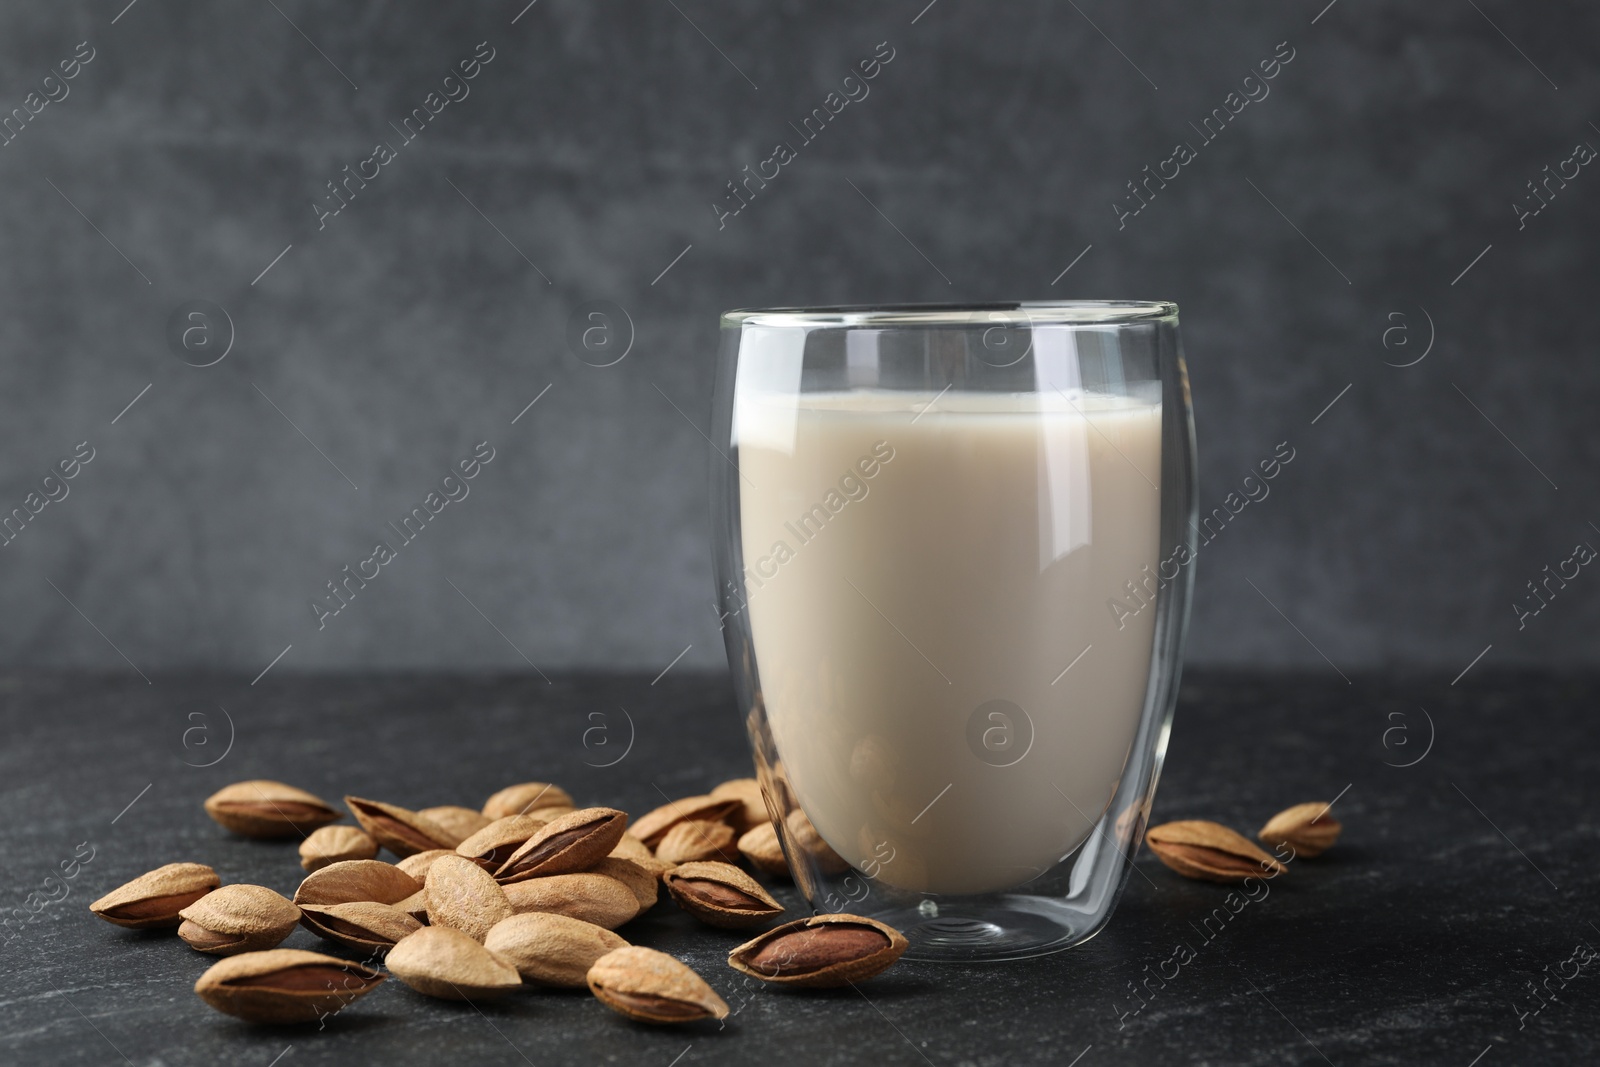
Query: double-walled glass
point(953, 568)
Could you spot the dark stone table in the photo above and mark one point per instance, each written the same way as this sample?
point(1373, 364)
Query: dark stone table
point(1463, 880)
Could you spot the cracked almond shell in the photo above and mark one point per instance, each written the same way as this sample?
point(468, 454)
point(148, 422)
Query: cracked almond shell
point(494, 844)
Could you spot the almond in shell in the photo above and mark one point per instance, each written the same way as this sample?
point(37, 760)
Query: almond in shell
point(804, 838)
point(645, 884)
point(721, 895)
point(417, 864)
point(594, 898)
point(495, 843)
point(819, 952)
point(761, 847)
point(353, 880)
point(363, 925)
point(694, 840)
point(630, 848)
point(653, 987)
point(154, 899)
point(285, 985)
point(463, 822)
point(1196, 848)
point(464, 896)
point(551, 949)
point(439, 961)
point(416, 906)
point(237, 918)
point(400, 830)
point(526, 798)
point(653, 826)
point(264, 808)
point(567, 843)
point(754, 805)
point(331, 844)
point(1306, 828)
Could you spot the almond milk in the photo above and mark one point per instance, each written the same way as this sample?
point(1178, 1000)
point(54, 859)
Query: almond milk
point(929, 582)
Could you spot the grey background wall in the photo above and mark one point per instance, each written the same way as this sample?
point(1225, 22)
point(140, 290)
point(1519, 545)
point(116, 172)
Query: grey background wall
point(1371, 191)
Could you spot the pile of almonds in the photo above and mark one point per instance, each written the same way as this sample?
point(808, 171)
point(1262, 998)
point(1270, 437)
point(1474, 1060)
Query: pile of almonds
point(1214, 853)
point(526, 891)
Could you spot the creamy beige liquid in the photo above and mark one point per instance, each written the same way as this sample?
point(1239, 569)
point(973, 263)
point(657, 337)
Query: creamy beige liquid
point(952, 553)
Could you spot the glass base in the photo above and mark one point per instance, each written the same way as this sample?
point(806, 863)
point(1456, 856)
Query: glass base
point(1009, 926)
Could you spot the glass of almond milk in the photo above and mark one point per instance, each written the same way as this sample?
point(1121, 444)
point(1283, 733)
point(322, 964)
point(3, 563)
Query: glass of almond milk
point(954, 563)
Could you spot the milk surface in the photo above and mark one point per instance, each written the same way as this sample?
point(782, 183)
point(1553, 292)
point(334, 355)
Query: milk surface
point(920, 572)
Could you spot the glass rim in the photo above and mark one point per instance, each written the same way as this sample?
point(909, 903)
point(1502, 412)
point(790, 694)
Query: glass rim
point(1034, 312)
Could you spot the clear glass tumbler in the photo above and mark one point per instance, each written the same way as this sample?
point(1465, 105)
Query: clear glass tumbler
point(953, 568)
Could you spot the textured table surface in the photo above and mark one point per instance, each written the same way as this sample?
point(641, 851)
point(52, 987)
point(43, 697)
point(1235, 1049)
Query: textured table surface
point(1462, 880)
